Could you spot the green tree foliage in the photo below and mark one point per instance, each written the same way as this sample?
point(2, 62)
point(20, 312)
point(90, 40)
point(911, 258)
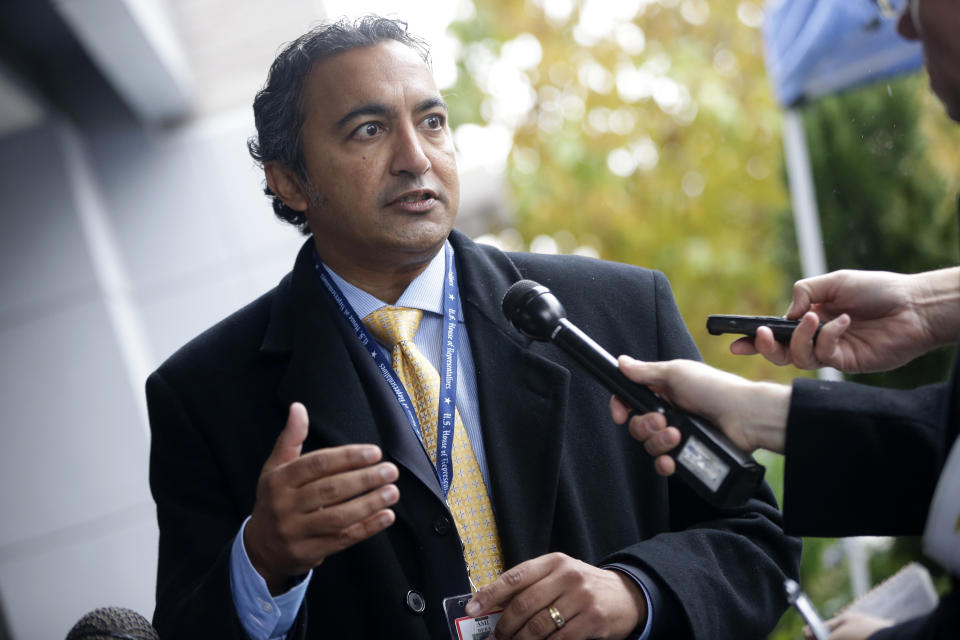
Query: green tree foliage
point(655, 141)
point(647, 130)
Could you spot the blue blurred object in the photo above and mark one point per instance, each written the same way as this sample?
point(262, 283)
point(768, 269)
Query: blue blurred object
point(816, 47)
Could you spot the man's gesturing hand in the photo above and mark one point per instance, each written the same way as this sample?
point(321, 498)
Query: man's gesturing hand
point(591, 602)
point(310, 506)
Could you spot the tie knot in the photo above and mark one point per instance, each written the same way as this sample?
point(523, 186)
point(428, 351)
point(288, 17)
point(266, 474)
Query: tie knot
point(393, 325)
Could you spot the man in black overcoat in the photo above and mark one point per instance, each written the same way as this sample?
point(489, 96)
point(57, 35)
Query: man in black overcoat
point(294, 495)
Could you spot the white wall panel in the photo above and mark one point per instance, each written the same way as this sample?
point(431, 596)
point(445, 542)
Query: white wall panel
point(44, 594)
point(73, 448)
point(43, 259)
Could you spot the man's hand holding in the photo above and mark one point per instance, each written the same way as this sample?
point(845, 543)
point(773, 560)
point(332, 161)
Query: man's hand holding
point(310, 506)
point(590, 602)
point(874, 320)
point(752, 414)
point(853, 625)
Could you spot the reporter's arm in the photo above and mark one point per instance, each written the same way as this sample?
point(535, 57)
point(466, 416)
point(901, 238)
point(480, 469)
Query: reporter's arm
point(861, 460)
point(937, 295)
point(846, 445)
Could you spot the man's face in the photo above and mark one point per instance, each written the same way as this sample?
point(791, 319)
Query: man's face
point(937, 24)
point(383, 188)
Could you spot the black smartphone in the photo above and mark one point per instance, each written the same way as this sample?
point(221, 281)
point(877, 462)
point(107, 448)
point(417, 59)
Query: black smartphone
point(748, 325)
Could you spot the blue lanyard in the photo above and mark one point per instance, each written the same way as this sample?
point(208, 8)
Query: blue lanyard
point(448, 377)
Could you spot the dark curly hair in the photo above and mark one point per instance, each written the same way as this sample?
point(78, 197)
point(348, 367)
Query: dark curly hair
point(278, 107)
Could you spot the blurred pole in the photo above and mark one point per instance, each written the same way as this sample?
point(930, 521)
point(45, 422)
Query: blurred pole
point(858, 561)
point(806, 217)
point(803, 195)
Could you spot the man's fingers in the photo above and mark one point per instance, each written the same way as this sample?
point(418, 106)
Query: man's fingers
point(802, 342)
point(665, 466)
point(651, 374)
point(658, 439)
point(743, 347)
point(645, 373)
point(327, 462)
point(535, 620)
point(343, 518)
point(290, 441)
point(516, 579)
point(345, 538)
point(525, 614)
point(369, 527)
point(644, 426)
point(662, 442)
point(336, 489)
point(772, 350)
point(618, 410)
point(827, 341)
point(801, 303)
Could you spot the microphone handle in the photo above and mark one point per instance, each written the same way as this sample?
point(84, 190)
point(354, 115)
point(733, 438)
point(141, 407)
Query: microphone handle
point(707, 461)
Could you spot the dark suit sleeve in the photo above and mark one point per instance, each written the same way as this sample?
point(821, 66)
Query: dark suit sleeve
point(720, 571)
point(861, 460)
point(198, 521)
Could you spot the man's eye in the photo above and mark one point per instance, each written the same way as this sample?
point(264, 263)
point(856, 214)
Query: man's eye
point(434, 122)
point(368, 130)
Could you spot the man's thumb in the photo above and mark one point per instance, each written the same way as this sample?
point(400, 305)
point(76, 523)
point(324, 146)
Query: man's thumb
point(290, 441)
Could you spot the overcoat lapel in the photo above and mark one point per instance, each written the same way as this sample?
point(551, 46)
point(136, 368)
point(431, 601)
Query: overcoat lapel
point(337, 381)
point(522, 399)
point(399, 441)
point(331, 373)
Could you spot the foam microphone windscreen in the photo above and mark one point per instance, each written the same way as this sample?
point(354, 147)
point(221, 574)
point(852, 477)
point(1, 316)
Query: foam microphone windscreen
point(112, 623)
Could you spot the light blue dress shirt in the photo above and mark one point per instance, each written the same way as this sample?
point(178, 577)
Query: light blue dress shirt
point(265, 617)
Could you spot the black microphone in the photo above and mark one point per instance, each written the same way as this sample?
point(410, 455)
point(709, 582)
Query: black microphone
point(707, 460)
point(112, 623)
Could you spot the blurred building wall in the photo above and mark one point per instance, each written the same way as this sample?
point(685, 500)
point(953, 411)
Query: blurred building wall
point(121, 240)
point(190, 238)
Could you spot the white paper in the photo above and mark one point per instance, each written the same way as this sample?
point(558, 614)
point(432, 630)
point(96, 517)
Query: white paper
point(941, 538)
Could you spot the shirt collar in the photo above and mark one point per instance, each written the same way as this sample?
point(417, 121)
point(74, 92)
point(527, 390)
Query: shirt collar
point(425, 292)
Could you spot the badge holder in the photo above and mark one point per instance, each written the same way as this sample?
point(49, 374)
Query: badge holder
point(464, 627)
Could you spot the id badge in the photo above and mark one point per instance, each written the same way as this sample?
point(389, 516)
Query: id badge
point(464, 627)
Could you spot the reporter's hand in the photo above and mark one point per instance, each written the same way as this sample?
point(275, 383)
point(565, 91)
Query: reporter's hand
point(853, 626)
point(310, 506)
point(874, 320)
point(593, 602)
point(752, 414)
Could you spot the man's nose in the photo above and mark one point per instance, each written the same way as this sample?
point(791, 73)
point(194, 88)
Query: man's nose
point(408, 154)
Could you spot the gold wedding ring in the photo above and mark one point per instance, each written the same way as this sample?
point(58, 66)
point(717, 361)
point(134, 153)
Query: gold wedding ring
point(556, 617)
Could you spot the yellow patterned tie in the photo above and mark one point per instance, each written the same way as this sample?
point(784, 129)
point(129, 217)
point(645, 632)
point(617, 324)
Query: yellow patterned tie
point(467, 499)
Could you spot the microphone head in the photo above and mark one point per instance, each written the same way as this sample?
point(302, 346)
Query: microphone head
point(532, 309)
point(112, 623)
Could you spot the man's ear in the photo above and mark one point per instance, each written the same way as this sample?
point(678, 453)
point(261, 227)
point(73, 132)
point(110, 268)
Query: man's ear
point(286, 185)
